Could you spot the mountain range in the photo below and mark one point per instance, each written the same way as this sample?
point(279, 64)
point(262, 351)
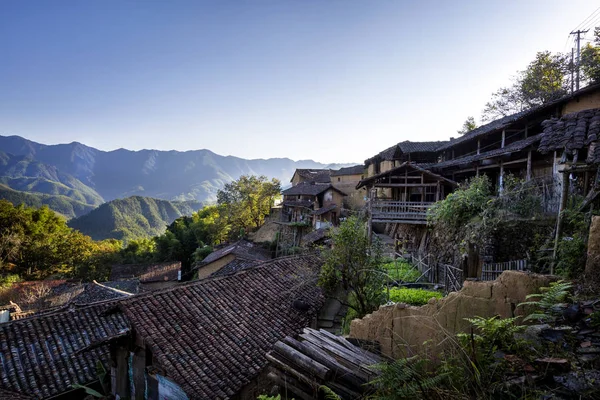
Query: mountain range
point(74, 178)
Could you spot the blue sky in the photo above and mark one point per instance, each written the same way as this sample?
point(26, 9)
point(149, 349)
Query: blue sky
point(333, 81)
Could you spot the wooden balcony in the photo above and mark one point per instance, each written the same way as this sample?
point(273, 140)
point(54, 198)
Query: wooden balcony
point(404, 212)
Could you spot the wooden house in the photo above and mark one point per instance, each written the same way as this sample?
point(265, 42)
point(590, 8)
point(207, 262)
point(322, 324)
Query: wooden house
point(345, 180)
point(231, 258)
point(315, 204)
point(404, 194)
point(208, 339)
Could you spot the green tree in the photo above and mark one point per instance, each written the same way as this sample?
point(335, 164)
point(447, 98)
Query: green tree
point(590, 59)
point(248, 201)
point(468, 126)
point(37, 243)
point(356, 266)
point(545, 79)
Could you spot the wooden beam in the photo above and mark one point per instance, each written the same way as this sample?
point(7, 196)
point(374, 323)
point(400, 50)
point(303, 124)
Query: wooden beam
point(559, 221)
point(401, 185)
point(501, 177)
point(528, 177)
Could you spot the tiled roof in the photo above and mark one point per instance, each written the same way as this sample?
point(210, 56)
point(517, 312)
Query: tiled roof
point(8, 395)
point(354, 170)
point(511, 148)
point(406, 147)
point(315, 235)
point(309, 189)
point(324, 210)
point(420, 147)
point(314, 175)
point(236, 265)
point(146, 273)
point(95, 292)
point(218, 330)
point(299, 203)
point(572, 132)
point(38, 355)
point(504, 122)
point(241, 248)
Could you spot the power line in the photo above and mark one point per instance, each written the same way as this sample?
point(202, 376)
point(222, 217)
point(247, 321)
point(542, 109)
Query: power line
point(588, 18)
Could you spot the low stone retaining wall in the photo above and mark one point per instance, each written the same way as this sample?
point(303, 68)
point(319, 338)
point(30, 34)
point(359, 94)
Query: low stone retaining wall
point(404, 330)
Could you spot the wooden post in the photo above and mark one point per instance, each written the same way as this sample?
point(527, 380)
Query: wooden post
point(528, 166)
point(526, 130)
point(501, 178)
point(477, 170)
point(478, 146)
point(503, 138)
point(559, 221)
point(370, 212)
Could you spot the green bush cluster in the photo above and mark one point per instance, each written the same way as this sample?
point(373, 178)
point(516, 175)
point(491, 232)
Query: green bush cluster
point(415, 297)
point(401, 271)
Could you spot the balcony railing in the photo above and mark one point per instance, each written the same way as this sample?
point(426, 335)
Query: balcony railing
point(411, 212)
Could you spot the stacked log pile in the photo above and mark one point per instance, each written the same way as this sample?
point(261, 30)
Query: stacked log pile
point(319, 358)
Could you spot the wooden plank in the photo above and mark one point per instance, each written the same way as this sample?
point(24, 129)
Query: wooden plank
point(276, 361)
point(303, 361)
point(287, 382)
point(404, 185)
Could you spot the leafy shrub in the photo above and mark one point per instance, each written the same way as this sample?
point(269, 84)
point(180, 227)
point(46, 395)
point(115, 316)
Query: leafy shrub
point(7, 280)
point(415, 297)
point(401, 271)
point(468, 201)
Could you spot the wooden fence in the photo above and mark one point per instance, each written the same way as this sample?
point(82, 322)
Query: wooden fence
point(491, 271)
point(452, 278)
point(448, 276)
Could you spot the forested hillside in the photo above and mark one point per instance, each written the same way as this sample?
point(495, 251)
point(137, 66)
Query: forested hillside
point(63, 205)
point(132, 217)
point(88, 175)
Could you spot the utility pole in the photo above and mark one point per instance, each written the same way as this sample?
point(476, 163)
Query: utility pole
point(578, 33)
point(572, 70)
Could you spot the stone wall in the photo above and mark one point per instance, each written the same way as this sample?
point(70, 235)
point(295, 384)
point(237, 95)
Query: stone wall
point(404, 330)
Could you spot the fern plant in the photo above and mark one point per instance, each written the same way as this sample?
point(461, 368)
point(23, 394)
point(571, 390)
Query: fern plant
point(496, 333)
point(551, 302)
point(329, 394)
point(405, 378)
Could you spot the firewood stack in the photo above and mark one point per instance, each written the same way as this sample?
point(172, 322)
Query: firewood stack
point(319, 358)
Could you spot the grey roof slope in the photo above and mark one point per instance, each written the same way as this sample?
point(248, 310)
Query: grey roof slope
point(314, 175)
point(218, 330)
point(407, 147)
point(146, 273)
point(40, 355)
point(241, 249)
point(237, 265)
point(310, 189)
point(354, 170)
point(573, 132)
point(504, 122)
